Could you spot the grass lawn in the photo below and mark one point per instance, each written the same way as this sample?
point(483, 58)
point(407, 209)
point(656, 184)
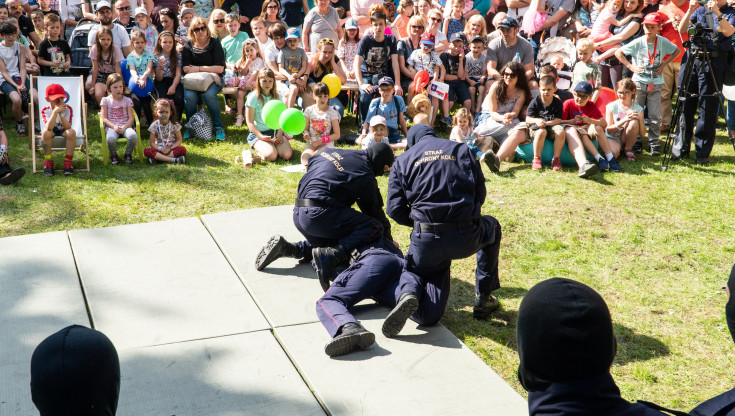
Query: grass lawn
point(657, 246)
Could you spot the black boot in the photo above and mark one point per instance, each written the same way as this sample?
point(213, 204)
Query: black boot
point(485, 304)
point(407, 305)
point(9, 175)
point(274, 249)
point(325, 260)
point(351, 337)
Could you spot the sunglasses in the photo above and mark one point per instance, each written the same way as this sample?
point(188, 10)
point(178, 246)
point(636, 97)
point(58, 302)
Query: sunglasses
point(434, 19)
point(200, 29)
point(17, 8)
point(509, 74)
point(122, 9)
point(218, 21)
point(272, 7)
point(326, 41)
point(624, 93)
point(417, 27)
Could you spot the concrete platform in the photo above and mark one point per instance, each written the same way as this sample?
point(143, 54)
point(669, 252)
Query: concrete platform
point(205, 333)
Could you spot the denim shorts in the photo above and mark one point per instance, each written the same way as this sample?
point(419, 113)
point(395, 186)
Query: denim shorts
point(252, 138)
point(7, 88)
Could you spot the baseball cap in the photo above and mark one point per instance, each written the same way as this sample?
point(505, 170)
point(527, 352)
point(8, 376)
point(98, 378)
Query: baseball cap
point(457, 36)
point(140, 10)
point(477, 38)
point(386, 81)
point(351, 23)
point(584, 87)
point(186, 10)
point(55, 91)
point(652, 19)
point(102, 4)
point(293, 33)
point(183, 2)
point(508, 23)
point(427, 38)
point(377, 120)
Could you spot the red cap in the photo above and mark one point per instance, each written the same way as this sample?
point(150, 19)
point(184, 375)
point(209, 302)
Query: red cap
point(653, 19)
point(55, 91)
point(427, 38)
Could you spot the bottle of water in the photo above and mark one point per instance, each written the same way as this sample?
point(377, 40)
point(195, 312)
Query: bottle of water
point(517, 58)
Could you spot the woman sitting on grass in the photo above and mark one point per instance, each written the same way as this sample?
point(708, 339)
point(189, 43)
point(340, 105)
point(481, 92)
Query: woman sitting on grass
point(270, 144)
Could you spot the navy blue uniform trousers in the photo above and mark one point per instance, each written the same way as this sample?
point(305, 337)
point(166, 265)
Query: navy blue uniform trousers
point(329, 226)
point(702, 88)
point(430, 256)
point(374, 275)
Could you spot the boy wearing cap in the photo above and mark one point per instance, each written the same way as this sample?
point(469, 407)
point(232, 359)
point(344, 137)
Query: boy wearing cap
point(57, 118)
point(476, 68)
point(378, 130)
point(54, 53)
point(453, 61)
point(120, 36)
point(392, 108)
point(143, 22)
point(649, 55)
point(425, 59)
point(584, 120)
point(293, 64)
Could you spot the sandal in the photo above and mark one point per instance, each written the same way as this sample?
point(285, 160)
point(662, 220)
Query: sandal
point(629, 155)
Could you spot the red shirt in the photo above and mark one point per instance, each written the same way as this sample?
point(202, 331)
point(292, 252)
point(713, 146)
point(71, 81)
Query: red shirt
point(668, 30)
point(571, 110)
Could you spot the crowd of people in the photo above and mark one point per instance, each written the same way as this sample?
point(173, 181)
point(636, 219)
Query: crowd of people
point(481, 56)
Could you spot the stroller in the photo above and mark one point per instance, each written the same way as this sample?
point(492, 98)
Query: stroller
point(553, 48)
point(80, 62)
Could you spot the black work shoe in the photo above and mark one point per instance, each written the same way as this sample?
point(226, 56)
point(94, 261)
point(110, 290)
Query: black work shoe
point(702, 160)
point(325, 259)
point(407, 305)
point(12, 176)
point(485, 305)
point(491, 160)
point(352, 338)
point(274, 249)
point(638, 147)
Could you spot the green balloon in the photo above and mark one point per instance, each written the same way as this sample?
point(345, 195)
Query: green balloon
point(292, 121)
point(272, 111)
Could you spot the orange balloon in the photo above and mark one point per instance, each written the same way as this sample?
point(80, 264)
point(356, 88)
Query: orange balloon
point(421, 80)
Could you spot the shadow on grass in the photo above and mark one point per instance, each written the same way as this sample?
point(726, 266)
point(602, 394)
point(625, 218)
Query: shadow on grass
point(636, 347)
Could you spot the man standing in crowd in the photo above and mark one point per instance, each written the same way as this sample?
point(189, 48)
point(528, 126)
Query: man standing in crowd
point(437, 187)
point(122, 7)
point(24, 22)
point(503, 49)
point(120, 36)
point(717, 15)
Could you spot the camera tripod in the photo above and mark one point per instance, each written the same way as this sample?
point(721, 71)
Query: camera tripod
point(697, 47)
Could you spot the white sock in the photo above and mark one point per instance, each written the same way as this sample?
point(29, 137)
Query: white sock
point(609, 156)
point(598, 157)
point(3, 149)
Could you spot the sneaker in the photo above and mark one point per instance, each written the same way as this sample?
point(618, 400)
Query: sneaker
point(352, 337)
point(152, 161)
point(20, 129)
point(325, 260)
point(447, 120)
point(48, 167)
point(602, 165)
point(587, 170)
point(491, 160)
point(114, 160)
point(274, 249)
point(186, 135)
point(180, 160)
point(68, 167)
point(406, 306)
point(128, 158)
point(556, 164)
point(485, 305)
point(13, 176)
point(536, 164)
point(638, 147)
point(614, 165)
point(239, 120)
point(655, 150)
point(219, 133)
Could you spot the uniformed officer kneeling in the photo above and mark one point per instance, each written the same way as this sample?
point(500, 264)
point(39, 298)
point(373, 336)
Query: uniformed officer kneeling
point(437, 187)
point(335, 179)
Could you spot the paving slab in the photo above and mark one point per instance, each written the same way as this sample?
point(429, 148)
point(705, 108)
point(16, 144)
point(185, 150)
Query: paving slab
point(286, 291)
point(247, 374)
point(424, 371)
point(161, 282)
point(40, 295)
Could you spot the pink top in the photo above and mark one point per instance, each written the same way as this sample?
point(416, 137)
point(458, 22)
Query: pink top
point(601, 28)
point(347, 53)
point(117, 111)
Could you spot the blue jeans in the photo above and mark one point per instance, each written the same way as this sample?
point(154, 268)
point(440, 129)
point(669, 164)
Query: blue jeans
point(730, 115)
point(338, 106)
point(191, 101)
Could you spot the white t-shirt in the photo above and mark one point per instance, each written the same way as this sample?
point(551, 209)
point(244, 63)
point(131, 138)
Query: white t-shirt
point(120, 36)
point(419, 61)
point(320, 122)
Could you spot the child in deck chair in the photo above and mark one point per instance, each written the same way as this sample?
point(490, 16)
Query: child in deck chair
point(57, 121)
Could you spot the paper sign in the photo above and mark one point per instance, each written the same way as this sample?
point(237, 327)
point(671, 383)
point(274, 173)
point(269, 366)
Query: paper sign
point(439, 90)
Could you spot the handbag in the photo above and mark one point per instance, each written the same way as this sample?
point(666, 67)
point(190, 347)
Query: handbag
point(200, 81)
point(200, 125)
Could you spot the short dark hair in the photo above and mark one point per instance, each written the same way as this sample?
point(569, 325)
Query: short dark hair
point(547, 80)
point(277, 30)
point(548, 70)
point(378, 15)
point(8, 28)
point(321, 89)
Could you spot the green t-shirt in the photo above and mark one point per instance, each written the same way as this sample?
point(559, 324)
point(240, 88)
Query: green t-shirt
point(640, 52)
point(587, 72)
point(233, 47)
point(253, 101)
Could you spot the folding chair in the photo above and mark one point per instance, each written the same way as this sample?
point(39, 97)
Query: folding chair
point(74, 87)
point(137, 151)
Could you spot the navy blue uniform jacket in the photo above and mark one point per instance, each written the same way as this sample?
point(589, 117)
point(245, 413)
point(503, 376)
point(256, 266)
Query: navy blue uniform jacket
point(435, 180)
point(341, 178)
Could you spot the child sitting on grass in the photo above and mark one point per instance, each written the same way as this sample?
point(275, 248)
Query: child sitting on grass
point(165, 136)
point(117, 117)
point(378, 130)
point(293, 64)
point(57, 118)
point(462, 132)
point(543, 118)
point(321, 119)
